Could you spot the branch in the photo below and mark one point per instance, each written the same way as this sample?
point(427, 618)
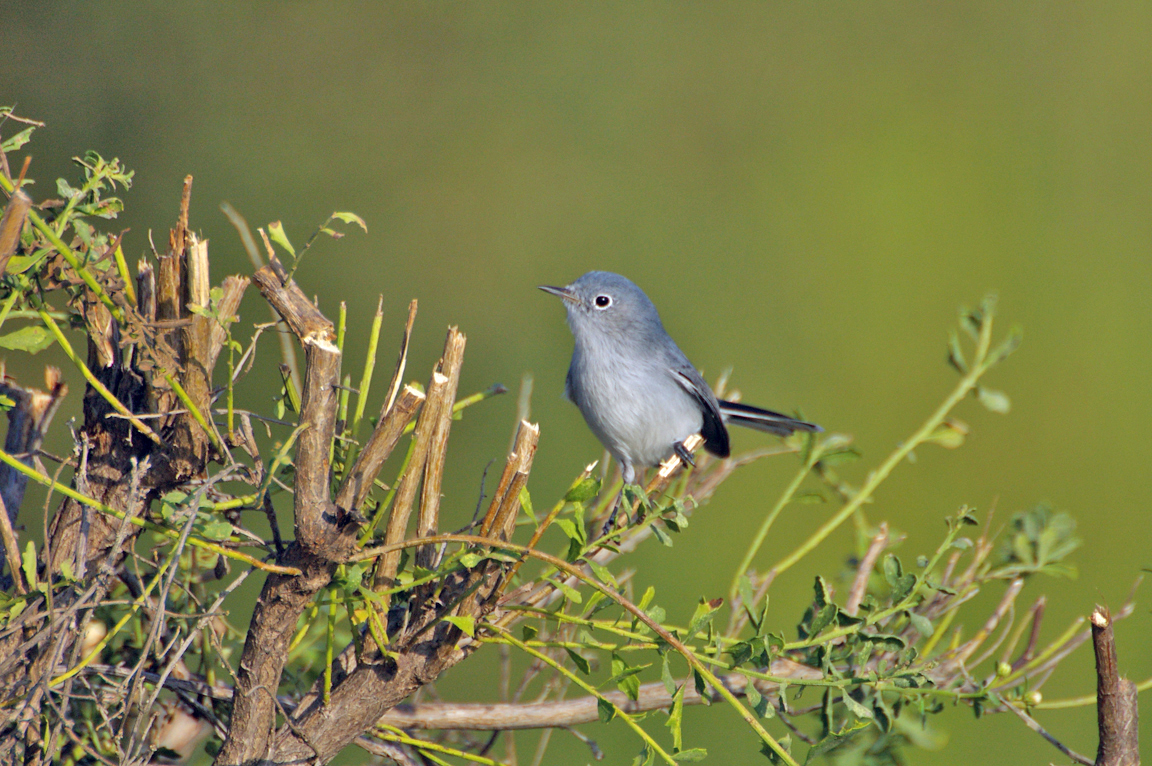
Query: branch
point(320, 539)
point(572, 712)
point(1116, 701)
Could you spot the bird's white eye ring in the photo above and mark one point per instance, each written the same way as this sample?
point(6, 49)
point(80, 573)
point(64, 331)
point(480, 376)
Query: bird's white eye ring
point(603, 301)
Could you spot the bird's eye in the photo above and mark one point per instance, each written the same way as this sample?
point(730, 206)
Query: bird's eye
point(603, 301)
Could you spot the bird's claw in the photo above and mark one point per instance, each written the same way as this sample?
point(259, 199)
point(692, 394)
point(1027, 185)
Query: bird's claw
point(684, 455)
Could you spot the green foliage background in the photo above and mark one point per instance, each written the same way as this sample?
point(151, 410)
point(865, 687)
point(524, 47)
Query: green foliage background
point(807, 191)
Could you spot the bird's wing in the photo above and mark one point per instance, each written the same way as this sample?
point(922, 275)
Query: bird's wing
point(568, 387)
point(714, 431)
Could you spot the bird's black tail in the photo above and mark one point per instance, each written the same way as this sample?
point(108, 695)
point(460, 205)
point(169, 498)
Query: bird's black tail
point(745, 415)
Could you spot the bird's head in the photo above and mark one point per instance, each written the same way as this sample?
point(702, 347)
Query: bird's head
point(607, 304)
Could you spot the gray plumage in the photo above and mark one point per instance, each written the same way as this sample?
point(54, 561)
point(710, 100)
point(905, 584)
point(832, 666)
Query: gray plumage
point(637, 391)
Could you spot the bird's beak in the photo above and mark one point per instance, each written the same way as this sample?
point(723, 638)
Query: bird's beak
point(561, 292)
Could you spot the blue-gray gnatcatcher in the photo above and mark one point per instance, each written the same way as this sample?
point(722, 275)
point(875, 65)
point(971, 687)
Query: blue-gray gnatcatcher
point(638, 392)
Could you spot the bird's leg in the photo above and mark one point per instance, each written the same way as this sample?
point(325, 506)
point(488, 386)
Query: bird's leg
point(628, 477)
point(684, 455)
point(612, 516)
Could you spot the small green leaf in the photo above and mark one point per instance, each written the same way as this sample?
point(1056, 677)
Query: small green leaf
point(464, 622)
point(277, 235)
point(214, 529)
point(753, 694)
point(603, 574)
point(625, 677)
point(822, 619)
point(529, 632)
point(705, 610)
point(646, 599)
point(571, 530)
point(666, 676)
point(17, 140)
point(900, 583)
point(579, 661)
point(64, 189)
point(586, 489)
point(28, 564)
point(606, 710)
point(857, 709)
point(995, 401)
point(470, 560)
point(955, 355)
point(661, 535)
point(887, 643)
point(676, 719)
point(921, 623)
point(571, 593)
point(347, 217)
point(31, 339)
point(690, 756)
point(526, 504)
point(949, 434)
point(1010, 344)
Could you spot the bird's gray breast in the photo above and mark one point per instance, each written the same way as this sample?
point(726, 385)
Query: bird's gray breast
point(631, 402)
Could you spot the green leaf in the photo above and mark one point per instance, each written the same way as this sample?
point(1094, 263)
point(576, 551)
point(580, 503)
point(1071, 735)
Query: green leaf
point(690, 756)
point(585, 490)
point(28, 564)
point(822, 619)
point(470, 560)
point(64, 189)
point(579, 661)
point(949, 434)
point(464, 622)
point(17, 140)
point(1010, 344)
point(526, 504)
point(625, 677)
point(347, 217)
point(214, 529)
point(785, 744)
point(666, 676)
point(832, 741)
point(900, 583)
point(603, 574)
point(753, 694)
point(646, 599)
point(705, 610)
point(277, 235)
point(676, 719)
point(31, 339)
point(606, 710)
point(995, 401)
point(858, 710)
point(885, 642)
point(571, 530)
point(955, 355)
point(661, 535)
point(747, 599)
point(645, 757)
point(571, 593)
point(529, 632)
point(823, 592)
point(921, 623)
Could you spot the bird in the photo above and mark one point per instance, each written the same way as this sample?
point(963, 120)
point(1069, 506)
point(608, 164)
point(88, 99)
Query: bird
point(636, 389)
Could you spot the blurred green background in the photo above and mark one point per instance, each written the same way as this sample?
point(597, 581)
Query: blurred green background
point(808, 191)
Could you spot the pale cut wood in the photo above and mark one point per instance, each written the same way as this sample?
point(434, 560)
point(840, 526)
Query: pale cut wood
point(428, 520)
point(389, 563)
point(390, 427)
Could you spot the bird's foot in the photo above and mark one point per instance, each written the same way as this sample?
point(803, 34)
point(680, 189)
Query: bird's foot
point(684, 455)
point(629, 494)
point(612, 516)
